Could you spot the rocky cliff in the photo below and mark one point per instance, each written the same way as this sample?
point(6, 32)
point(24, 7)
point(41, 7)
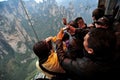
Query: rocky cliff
point(21, 22)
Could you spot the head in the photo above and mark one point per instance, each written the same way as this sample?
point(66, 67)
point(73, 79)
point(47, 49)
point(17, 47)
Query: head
point(102, 22)
point(74, 48)
point(100, 43)
point(97, 13)
point(79, 21)
point(42, 49)
point(65, 37)
point(72, 23)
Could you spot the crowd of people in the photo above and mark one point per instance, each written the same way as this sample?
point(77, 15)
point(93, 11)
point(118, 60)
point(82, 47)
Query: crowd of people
point(81, 52)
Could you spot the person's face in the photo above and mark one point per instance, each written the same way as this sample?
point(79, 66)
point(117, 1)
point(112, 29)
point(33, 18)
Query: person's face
point(80, 22)
point(85, 43)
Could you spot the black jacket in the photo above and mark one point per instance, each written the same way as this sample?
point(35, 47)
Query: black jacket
point(86, 68)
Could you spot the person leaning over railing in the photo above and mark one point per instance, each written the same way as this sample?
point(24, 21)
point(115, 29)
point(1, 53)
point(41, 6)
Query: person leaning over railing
point(47, 60)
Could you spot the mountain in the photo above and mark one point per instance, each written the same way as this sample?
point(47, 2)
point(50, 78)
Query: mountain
point(22, 23)
point(15, 43)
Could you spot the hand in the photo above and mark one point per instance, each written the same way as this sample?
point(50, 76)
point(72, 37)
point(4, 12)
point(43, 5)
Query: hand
point(71, 29)
point(90, 25)
point(65, 28)
point(48, 38)
point(64, 20)
point(60, 34)
point(54, 39)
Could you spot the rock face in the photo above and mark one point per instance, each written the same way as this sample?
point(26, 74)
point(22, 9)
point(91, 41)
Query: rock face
point(12, 31)
point(15, 42)
point(20, 25)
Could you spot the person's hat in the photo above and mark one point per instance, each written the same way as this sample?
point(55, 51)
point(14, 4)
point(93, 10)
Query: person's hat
point(103, 21)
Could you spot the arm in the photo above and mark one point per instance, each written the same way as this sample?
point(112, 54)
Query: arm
point(48, 38)
point(67, 63)
point(59, 46)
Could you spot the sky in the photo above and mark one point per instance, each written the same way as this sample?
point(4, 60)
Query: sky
point(3, 0)
point(38, 1)
point(26, 0)
point(42, 0)
point(35, 0)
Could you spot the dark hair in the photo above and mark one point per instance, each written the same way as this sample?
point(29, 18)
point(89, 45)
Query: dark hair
point(65, 37)
point(41, 49)
point(102, 41)
point(72, 23)
point(74, 48)
point(103, 21)
point(98, 13)
point(76, 20)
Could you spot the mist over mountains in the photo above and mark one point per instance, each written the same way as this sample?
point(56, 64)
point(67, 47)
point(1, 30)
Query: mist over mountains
point(18, 23)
